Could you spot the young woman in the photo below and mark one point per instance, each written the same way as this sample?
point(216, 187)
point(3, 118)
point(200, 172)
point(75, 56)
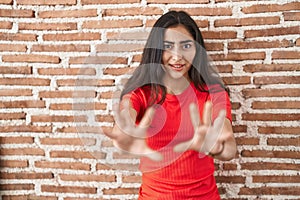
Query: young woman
point(175, 114)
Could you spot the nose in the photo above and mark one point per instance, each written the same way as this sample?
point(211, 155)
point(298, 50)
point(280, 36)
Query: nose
point(176, 54)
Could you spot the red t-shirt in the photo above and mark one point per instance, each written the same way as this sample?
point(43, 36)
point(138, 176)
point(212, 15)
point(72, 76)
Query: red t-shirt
point(186, 175)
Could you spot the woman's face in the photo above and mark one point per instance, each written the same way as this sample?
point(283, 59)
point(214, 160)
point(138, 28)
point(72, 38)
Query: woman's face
point(179, 52)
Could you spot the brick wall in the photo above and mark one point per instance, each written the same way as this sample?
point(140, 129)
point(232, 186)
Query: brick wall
point(60, 62)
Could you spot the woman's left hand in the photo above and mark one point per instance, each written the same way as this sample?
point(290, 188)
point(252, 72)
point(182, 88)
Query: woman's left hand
point(209, 138)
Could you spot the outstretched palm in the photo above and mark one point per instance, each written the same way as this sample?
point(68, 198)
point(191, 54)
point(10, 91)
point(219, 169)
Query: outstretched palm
point(207, 136)
point(129, 137)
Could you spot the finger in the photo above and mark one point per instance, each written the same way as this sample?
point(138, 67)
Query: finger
point(194, 114)
point(117, 115)
point(207, 110)
point(147, 118)
point(214, 132)
point(183, 146)
point(125, 113)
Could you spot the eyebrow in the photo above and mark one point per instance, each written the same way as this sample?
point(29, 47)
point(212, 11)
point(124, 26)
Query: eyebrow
point(181, 42)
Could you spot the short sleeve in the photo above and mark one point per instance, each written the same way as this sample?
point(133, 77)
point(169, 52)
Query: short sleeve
point(138, 102)
point(221, 101)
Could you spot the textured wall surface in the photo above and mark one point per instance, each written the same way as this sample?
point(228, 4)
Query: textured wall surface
point(62, 60)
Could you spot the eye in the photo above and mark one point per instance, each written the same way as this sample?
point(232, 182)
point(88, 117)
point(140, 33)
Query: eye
point(168, 46)
point(187, 46)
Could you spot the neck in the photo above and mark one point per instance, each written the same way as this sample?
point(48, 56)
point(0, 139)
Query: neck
point(176, 87)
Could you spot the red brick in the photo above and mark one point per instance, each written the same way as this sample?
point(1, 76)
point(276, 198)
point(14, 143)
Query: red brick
point(9, 2)
point(287, 92)
point(230, 179)
point(66, 71)
point(86, 82)
point(220, 11)
point(61, 48)
point(104, 118)
point(276, 105)
point(224, 68)
point(239, 56)
point(104, 24)
point(276, 179)
point(25, 81)
point(237, 80)
point(71, 36)
point(214, 46)
point(26, 128)
point(286, 54)
point(27, 197)
point(272, 32)
point(260, 8)
point(26, 175)
point(48, 26)
point(81, 129)
point(126, 35)
point(179, 1)
point(6, 25)
point(43, 2)
point(270, 191)
point(291, 16)
point(131, 179)
point(31, 58)
point(62, 165)
point(120, 191)
point(15, 70)
point(253, 21)
point(279, 130)
point(88, 2)
point(229, 166)
point(14, 163)
point(16, 187)
point(239, 129)
point(67, 94)
point(133, 11)
point(283, 141)
point(270, 117)
point(98, 60)
point(259, 44)
point(23, 152)
point(271, 67)
point(276, 80)
point(247, 141)
point(78, 106)
point(67, 141)
point(18, 37)
point(68, 13)
point(12, 116)
point(13, 47)
point(298, 42)
point(270, 166)
point(22, 104)
point(118, 71)
point(16, 140)
point(16, 13)
point(58, 118)
point(270, 154)
point(219, 34)
point(68, 189)
point(77, 155)
point(96, 178)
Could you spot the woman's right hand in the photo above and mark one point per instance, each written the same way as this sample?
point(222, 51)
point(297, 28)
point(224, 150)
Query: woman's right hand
point(129, 137)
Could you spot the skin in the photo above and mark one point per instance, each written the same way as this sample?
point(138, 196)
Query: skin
point(215, 138)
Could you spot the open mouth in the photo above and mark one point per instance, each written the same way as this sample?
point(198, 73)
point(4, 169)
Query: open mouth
point(177, 67)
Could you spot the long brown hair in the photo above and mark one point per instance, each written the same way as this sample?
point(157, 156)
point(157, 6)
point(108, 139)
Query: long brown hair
point(150, 71)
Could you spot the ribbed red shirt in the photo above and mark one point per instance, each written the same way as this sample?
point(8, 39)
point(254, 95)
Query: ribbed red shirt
point(186, 175)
